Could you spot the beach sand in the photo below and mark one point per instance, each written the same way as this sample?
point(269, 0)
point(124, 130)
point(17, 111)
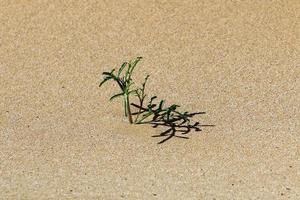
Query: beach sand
point(61, 137)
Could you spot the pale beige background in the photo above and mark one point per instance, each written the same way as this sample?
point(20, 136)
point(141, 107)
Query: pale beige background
point(237, 60)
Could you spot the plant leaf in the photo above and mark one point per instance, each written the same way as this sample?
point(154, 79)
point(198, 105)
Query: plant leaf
point(132, 91)
point(105, 79)
point(115, 96)
point(146, 79)
point(121, 68)
point(134, 65)
point(111, 73)
point(161, 105)
point(127, 72)
point(106, 73)
point(173, 107)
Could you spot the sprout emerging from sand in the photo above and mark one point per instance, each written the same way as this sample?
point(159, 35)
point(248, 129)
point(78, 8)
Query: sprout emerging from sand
point(125, 82)
point(123, 78)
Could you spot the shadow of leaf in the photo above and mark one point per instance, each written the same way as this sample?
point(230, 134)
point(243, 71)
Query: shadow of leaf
point(177, 126)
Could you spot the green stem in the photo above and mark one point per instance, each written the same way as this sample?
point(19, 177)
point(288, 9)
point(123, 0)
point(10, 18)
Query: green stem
point(127, 108)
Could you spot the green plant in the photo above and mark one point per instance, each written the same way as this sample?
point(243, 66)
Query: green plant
point(124, 80)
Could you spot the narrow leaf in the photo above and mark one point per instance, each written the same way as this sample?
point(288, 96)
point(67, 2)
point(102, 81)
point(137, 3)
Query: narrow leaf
point(173, 107)
point(132, 91)
point(127, 77)
point(106, 73)
point(105, 79)
point(115, 96)
point(134, 65)
point(121, 68)
point(146, 80)
point(161, 105)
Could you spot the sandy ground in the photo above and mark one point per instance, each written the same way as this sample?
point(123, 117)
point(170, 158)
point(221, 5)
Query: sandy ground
point(238, 61)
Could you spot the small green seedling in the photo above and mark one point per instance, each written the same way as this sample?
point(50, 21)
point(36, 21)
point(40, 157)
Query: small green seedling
point(123, 78)
point(124, 82)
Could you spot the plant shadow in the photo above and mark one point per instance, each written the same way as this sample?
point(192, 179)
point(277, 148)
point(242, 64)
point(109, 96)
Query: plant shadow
point(177, 126)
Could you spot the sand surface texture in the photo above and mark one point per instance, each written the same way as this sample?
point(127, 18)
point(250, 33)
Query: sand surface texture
point(238, 61)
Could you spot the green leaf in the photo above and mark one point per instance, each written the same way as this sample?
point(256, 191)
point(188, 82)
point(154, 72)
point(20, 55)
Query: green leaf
point(106, 73)
point(115, 96)
point(146, 78)
point(161, 105)
point(111, 73)
point(135, 91)
point(134, 65)
point(127, 72)
point(105, 79)
point(114, 77)
point(144, 84)
point(173, 107)
point(121, 68)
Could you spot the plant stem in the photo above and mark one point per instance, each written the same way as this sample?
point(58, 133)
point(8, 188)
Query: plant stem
point(127, 108)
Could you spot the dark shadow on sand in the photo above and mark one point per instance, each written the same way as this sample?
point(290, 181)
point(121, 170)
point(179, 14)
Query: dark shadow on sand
point(177, 126)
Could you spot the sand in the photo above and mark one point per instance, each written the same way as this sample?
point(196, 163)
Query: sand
point(238, 61)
